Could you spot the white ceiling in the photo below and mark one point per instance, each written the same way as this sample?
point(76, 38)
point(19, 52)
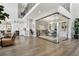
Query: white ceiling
point(42, 8)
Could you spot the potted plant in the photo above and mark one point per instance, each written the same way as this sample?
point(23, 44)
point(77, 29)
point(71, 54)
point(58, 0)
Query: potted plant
point(3, 15)
point(76, 28)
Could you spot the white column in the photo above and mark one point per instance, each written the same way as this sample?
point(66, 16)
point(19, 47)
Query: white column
point(57, 32)
point(34, 27)
point(69, 28)
point(70, 22)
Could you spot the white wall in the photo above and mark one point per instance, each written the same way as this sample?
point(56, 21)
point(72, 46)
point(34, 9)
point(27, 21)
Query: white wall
point(20, 24)
point(11, 9)
point(75, 14)
point(75, 10)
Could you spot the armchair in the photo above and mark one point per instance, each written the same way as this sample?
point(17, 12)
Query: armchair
point(8, 41)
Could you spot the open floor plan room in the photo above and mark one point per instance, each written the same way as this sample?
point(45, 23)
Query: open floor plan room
point(39, 29)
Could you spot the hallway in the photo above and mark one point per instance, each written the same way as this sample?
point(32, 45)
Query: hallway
point(30, 46)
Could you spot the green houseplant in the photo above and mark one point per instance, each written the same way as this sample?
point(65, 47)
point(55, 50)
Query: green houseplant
point(76, 28)
point(3, 15)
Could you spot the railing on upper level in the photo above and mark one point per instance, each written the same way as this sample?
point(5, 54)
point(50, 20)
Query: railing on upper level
point(26, 10)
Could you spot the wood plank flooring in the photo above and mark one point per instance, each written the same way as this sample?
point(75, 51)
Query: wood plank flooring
point(32, 46)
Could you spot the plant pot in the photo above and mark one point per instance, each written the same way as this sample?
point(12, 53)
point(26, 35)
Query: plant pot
point(76, 36)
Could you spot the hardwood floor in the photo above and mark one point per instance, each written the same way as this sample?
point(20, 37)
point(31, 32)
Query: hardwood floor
point(30, 46)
